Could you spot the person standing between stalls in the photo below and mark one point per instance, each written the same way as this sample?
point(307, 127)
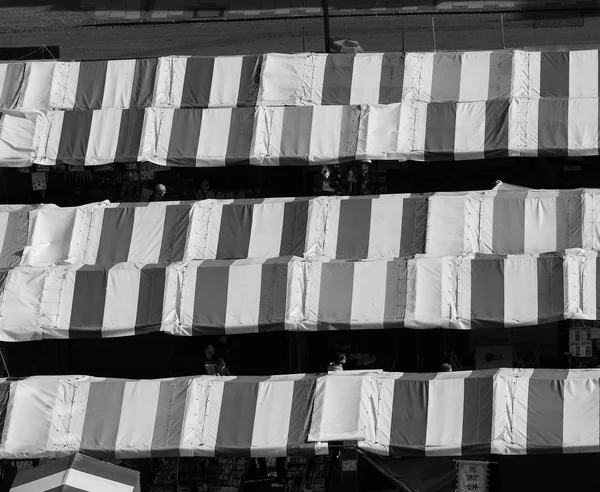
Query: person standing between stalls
point(159, 193)
point(338, 362)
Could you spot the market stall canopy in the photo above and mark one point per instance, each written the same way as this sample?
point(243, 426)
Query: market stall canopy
point(451, 260)
point(306, 108)
point(204, 416)
point(226, 297)
point(497, 221)
point(77, 472)
point(389, 414)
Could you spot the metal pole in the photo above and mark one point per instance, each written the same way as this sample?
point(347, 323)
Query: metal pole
point(433, 30)
point(325, 6)
point(503, 40)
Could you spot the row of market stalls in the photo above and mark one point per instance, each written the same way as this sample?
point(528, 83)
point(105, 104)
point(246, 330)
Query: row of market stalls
point(504, 412)
point(476, 260)
point(300, 109)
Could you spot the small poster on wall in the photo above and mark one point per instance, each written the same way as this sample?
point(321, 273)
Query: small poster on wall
point(38, 181)
point(580, 342)
point(472, 476)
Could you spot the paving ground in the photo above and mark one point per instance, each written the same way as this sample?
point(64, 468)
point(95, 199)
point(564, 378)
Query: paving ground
point(456, 32)
point(19, 15)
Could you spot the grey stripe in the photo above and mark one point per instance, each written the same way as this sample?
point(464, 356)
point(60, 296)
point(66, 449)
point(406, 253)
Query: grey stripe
point(508, 224)
point(500, 75)
point(569, 219)
point(14, 80)
point(487, 292)
point(553, 128)
point(445, 86)
point(335, 296)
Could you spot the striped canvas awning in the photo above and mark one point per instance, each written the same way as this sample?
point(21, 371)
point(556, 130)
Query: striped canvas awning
point(372, 227)
point(165, 232)
point(279, 109)
point(170, 82)
point(508, 412)
point(77, 473)
point(221, 297)
point(204, 416)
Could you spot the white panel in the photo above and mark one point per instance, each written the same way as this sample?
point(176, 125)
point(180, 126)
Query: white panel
point(202, 413)
point(520, 291)
point(19, 139)
point(272, 418)
point(170, 314)
point(66, 300)
point(581, 432)
point(379, 133)
point(366, 78)
point(445, 415)
point(418, 76)
point(243, 298)
point(582, 129)
point(526, 74)
point(463, 294)
point(325, 134)
point(523, 127)
point(39, 85)
point(267, 228)
point(20, 303)
point(340, 408)
point(540, 224)
point(27, 424)
point(270, 136)
point(385, 401)
point(314, 71)
point(282, 79)
point(312, 286)
point(446, 224)
point(119, 84)
point(147, 233)
point(104, 137)
point(68, 417)
point(225, 86)
point(589, 219)
point(187, 299)
point(413, 124)
point(583, 74)
point(160, 133)
point(515, 434)
point(425, 293)
point(474, 76)
point(203, 230)
point(173, 91)
point(318, 209)
point(585, 280)
point(368, 294)
point(120, 308)
point(331, 229)
point(486, 223)
point(138, 416)
point(48, 131)
point(50, 236)
point(93, 239)
point(64, 85)
point(386, 226)
point(214, 137)
point(93, 483)
point(469, 138)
